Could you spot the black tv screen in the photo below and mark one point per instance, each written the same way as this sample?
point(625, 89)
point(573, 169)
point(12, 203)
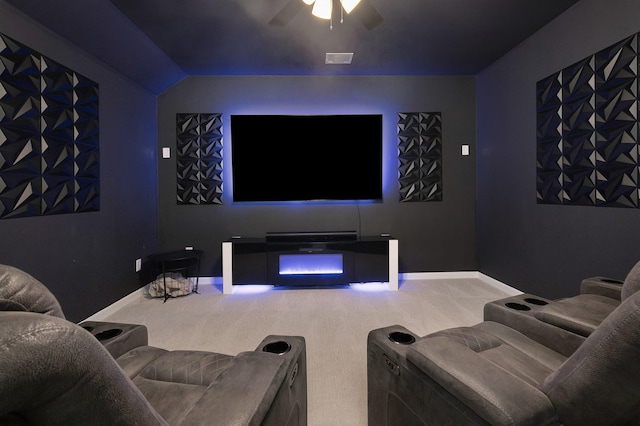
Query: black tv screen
point(306, 157)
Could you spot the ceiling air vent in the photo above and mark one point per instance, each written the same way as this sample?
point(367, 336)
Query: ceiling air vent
point(338, 58)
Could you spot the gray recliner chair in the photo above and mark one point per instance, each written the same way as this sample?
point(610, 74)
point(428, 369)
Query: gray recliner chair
point(563, 324)
point(57, 372)
point(492, 374)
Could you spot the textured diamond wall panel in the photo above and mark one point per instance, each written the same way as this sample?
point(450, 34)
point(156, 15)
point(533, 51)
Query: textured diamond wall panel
point(616, 114)
point(420, 156)
point(549, 136)
point(587, 131)
point(578, 123)
point(49, 144)
point(199, 158)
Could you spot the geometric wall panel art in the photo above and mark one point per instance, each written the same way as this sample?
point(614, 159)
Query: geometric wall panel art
point(420, 156)
point(587, 131)
point(49, 139)
point(199, 158)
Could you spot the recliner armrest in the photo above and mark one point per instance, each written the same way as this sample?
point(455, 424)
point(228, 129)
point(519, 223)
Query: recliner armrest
point(602, 286)
point(117, 338)
point(491, 392)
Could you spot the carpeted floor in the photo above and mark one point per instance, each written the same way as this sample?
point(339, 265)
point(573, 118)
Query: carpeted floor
point(335, 323)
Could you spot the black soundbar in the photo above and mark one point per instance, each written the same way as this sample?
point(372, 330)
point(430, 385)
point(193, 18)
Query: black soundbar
point(288, 237)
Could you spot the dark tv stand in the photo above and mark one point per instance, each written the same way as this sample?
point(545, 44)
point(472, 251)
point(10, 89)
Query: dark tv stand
point(309, 259)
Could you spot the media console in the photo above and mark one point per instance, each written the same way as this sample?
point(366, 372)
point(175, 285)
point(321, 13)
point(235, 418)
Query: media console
point(309, 259)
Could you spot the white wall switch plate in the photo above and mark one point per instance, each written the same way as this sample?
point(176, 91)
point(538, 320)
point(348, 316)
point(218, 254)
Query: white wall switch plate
point(465, 149)
point(166, 152)
point(138, 265)
point(188, 248)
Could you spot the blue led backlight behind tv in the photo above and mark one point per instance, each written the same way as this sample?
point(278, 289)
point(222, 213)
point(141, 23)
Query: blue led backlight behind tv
point(310, 264)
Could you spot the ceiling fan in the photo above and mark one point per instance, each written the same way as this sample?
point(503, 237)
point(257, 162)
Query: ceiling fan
point(324, 9)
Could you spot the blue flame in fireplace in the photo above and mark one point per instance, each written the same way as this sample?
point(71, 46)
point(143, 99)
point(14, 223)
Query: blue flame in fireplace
point(311, 264)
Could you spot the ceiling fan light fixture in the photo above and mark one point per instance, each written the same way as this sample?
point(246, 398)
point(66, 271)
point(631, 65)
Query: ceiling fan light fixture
point(322, 9)
point(349, 5)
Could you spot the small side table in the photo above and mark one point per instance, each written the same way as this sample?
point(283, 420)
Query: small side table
point(177, 261)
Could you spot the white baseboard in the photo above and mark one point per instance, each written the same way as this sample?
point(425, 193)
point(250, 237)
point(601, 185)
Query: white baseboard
point(461, 275)
point(438, 275)
point(499, 284)
point(210, 281)
point(102, 314)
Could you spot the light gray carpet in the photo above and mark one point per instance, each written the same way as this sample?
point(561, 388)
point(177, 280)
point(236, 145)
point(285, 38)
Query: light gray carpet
point(334, 322)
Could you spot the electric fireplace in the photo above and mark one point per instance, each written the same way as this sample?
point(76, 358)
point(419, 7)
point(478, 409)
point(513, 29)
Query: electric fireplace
point(310, 259)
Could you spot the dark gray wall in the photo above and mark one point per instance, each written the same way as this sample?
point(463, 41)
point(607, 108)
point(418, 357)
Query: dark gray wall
point(88, 259)
point(433, 236)
point(545, 249)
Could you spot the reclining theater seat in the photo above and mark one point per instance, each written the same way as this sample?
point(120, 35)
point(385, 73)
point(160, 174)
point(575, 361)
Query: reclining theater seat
point(597, 299)
point(492, 374)
point(563, 324)
point(57, 372)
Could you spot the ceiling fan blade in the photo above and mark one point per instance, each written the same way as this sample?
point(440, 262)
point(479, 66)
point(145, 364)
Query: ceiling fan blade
point(368, 14)
point(287, 13)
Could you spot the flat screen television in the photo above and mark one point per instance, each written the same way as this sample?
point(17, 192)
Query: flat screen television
point(306, 157)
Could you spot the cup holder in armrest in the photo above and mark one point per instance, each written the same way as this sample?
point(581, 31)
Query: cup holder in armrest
point(611, 281)
point(535, 301)
point(279, 348)
point(108, 334)
point(518, 306)
point(401, 338)
point(88, 328)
